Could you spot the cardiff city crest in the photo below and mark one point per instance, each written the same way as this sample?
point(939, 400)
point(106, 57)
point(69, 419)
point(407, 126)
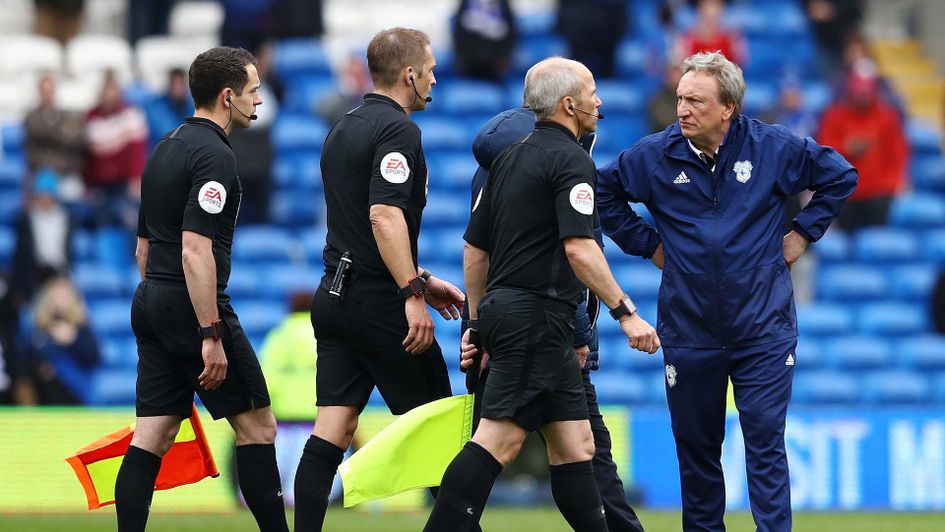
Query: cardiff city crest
point(670, 375)
point(742, 171)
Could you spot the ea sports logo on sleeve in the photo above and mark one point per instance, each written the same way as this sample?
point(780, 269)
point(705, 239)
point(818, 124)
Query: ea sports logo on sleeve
point(212, 197)
point(582, 198)
point(394, 168)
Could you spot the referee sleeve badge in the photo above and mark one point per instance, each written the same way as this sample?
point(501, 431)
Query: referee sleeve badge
point(212, 197)
point(394, 168)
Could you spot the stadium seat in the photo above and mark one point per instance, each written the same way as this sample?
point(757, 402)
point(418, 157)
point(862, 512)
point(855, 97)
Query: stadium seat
point(83, 245)
point(95, 281)
point(7, 245)
point(631, 59)
point(244, 282)
point(616, 354)
point(452, 171)
point(851, 283)
point(912, 282)
point(825, 387)
point(820, 319)
point(809, 353)
point(113, 386)
point(97, 53)
point(445, 210)
point(640, 279)
point(119, 352)
point(293, 208)
point(531, 50)
point(313, 243)
point(925, 352)
point(297, 170)
point(897, 387)
point(196, 18)
point(156, 55)
point(463, 96)
point(305, 92)
point(298, 133)
point(299, 57)
point(258, 317)
point(114, 247)
point(933, 244)
point(9, 206)
point(928, 173)
point(449, 243)
point(619, 131)
point(534, 23)
point(621, 96)
point(442, 133)
point(620, 388)
point(264, 244)
point(11, 136)
point(29, 53)
point(923, 139)
point(284, 280)
point(833, 247)
point(857, 353)
point(110, 317)
point(920, 211)
point(938, 387)
point(760, 96)
point(451, 272)
point(892, 319)
point(885, 245)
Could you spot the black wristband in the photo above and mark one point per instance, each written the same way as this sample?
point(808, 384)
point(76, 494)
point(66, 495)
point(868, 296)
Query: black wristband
point(624, 308)
point(414, 288)
point(216, 330)
point(425, 275)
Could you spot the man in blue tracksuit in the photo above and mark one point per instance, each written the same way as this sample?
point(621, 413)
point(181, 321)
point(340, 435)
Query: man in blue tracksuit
point(498, 134)
point(716, 183)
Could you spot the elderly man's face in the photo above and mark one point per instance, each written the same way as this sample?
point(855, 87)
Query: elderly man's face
point(699, 106)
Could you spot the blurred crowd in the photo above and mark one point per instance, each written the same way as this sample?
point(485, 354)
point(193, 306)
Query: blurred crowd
point(84, 169)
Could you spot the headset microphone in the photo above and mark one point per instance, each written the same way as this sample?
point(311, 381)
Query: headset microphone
point(599, 115)
point(428, 99)
point(251, 117)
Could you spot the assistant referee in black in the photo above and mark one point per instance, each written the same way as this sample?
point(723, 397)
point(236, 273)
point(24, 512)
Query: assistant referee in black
point(370, 312)
point(189, 338)
point(529, 247)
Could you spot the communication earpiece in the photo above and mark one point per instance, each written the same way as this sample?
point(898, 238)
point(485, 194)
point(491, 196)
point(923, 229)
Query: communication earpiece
point(238, 110)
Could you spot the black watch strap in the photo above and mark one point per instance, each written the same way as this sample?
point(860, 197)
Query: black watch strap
point(624, 308)
point(216, 330)
point(414, 288)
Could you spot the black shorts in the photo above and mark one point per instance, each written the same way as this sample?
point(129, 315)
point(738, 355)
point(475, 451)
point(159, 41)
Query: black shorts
point(534, 376)
point(360, 346)
point(170, 359)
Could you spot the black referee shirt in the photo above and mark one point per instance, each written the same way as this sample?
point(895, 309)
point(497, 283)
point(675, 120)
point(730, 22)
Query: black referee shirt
point(541, 191)
point(372, 156)
point(189, 184)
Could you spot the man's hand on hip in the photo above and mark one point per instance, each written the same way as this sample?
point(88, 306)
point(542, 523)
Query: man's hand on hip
point(420, 326)
point(794, 246)
point(658, 258)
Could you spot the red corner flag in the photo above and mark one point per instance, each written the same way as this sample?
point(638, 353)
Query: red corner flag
point(188, 461)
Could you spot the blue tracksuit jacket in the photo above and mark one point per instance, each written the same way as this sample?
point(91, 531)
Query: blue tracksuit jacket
point(725, 282)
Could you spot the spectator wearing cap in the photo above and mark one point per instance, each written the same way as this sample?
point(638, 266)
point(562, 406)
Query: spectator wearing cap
point(43, 235)
point(868, 132)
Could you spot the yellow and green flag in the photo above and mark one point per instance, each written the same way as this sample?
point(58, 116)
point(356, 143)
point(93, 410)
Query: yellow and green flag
point(410, 453)
point(189, 460)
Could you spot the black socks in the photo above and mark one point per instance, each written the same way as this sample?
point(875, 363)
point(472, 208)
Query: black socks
point(261, 486)
point(577, 497)
point(464, 490)
point(317, 469)
point(134, 488)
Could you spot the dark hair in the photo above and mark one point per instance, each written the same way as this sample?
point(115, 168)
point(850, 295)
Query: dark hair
point(390, 51)
point(217, 69)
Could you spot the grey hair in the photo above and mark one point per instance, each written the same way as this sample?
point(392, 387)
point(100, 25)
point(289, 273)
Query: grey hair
point(729, 75)
point(547, 82)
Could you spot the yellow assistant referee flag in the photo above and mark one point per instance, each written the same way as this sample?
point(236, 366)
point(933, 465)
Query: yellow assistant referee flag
point(410, 453)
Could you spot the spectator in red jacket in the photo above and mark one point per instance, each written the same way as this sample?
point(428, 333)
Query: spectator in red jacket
point(117, 134)
point(869, 133)
point(708, 35)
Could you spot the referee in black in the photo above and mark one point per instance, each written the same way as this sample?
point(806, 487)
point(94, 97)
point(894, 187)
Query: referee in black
point(189, 338)
point(370, 312)
point(529, 247)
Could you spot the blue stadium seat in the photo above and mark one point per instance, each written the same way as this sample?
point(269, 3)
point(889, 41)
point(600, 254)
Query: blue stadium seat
point(441, 133)
point(95, 281)
point(446, 210)
point(293, 208)
point(298, 133)
point(925, 352)
point(920, 211)
point(923, 139)
point(119, 352)
point(451, 272)
point(928, 173)
point(297, 170)
point(631, 58)
point(620, 388)
point(114, 247)
point(299, 57)
point(621, 97)
point(938, 387)
point(821, 319)
point(851, 283)
point(244, 282)
point(83, 245)
point(449, 245)
point(885, 245)
point(113, 386)
point(897, 387)
point(7, 246)
point(110, 317)
point(9, 206)
point(857, 353)
point(620, 131)
point(912, 282)
point(809, 353)
point(825, 387)
point(258, 317)
point(760, 96)
point(463, 96)
point(452, 171)
point(11, 135)
point(933, 243)
point(263, 243)
point(531, 50)
point(313, 243)
point(12, 170)
point(283, 280)
point(892, 319)
point(640, 279)
point(816, 95)
point(304, 94)
point(534, 23)
point(615, 353)
point(833, 247)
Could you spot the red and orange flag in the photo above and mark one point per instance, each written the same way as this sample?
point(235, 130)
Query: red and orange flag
point(189, 460)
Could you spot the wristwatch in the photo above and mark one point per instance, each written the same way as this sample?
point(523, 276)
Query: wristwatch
point(414, 288)
point(624, 308)
point(216, 330)
point(425, 275)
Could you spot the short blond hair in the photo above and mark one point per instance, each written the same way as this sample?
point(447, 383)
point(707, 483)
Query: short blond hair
point(729, 75)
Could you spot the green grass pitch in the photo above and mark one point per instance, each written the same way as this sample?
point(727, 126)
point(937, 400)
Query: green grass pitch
point(494, 520)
